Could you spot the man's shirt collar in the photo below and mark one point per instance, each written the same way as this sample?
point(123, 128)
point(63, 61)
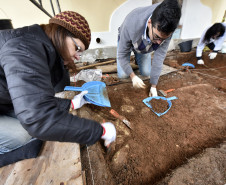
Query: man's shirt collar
point(145, 36)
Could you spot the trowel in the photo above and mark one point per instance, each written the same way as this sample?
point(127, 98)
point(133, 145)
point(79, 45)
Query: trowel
point(122, 118)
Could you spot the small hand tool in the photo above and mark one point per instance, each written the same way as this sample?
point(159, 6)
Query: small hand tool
point(122, 118)
point(164, 93)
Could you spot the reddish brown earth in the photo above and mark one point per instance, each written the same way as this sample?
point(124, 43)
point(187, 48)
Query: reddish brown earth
point(161, 149)
point(159, 105)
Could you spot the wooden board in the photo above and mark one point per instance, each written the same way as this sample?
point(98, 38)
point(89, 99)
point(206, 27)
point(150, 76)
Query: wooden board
point(96, 64)
point(113, 68)
point(58, 163)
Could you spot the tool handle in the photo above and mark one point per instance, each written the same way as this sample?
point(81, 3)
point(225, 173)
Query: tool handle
point(71, 88)
point(169, 90)
point(114, 113)
point(172, 98)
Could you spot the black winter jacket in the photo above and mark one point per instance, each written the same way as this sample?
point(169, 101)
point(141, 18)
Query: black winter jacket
point(30, 69)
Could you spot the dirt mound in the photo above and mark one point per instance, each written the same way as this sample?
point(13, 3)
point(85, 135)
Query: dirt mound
point(157, 145)
point(207, 168)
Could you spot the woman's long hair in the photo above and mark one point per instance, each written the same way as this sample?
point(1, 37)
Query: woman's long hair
point(213, 30)
point(57, 34)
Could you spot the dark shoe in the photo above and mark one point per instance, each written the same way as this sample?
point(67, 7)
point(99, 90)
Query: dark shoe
point(27, 151)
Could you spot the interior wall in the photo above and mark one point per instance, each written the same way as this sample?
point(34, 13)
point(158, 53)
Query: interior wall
point(197, 15)
point(218, 9)
point(109, 38)
point(97, 12)
point(24, 12)
point(105, 17)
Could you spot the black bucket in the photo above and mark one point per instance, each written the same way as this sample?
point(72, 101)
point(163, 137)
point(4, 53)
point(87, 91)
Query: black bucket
point(186, 46)
point(5, 24)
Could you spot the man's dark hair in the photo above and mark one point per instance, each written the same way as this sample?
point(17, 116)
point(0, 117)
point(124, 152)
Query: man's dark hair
point(213, 30)
point(166, 16)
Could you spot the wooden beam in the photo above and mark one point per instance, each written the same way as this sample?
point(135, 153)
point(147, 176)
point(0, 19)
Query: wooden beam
point(96, 64)
point(58, 162)
point(113, 68)
point(224, 17)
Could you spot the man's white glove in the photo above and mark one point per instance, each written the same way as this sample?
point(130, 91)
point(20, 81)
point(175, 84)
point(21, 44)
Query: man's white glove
point(137, 82)
point(153, 92)
point(212, 55)
point(78, 101)
point(200, 62)
point(109, 133)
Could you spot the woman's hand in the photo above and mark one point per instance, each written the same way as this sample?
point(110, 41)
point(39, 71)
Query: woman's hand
point(78, 101)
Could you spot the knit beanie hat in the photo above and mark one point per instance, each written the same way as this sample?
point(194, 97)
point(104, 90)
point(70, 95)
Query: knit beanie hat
point(75, 23)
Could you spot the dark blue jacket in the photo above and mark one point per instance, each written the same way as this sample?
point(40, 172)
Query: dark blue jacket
point(30, 70)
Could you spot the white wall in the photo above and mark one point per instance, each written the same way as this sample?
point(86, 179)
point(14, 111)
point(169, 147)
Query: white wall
point(118, 16)
point(196, 17)
point(24, 12)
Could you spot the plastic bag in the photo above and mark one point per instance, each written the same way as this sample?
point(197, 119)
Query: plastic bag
point(87, 75)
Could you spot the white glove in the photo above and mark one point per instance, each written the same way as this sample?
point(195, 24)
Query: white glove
point(200, 62)
point(212, 55)
point(153, 92)
point(78, 101)
point(137, 82)
point(109, 133)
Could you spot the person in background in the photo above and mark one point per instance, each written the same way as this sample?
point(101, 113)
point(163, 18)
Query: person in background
point(213, 37)
point(32, 70)
point(143, 31)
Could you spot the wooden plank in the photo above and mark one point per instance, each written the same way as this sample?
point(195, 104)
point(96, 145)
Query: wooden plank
point(57, 163)
point(96, 64)
point(224, 17)
point(84, 177)
point(113, 68)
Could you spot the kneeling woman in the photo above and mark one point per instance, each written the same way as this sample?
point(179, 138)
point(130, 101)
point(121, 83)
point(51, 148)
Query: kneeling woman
point(32, 70)
point(213, 37)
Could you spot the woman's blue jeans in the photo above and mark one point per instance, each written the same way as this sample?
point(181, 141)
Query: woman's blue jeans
point(144, 63)
point(12, 134)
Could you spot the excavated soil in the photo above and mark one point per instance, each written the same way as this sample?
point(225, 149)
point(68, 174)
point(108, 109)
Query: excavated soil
point(158, 146)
